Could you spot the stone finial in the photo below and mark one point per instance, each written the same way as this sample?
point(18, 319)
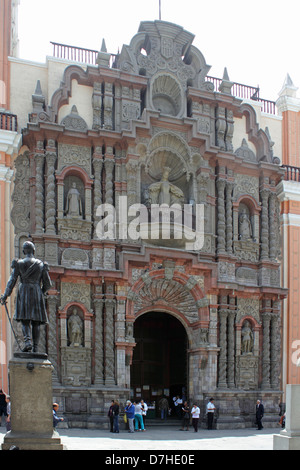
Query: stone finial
point(226, 84)
point(103, 58)
point(38, 99)
point(288, 100)
point(288, 88)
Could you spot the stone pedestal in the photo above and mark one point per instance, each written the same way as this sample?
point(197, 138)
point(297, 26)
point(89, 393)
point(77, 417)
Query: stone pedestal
point(289, 438)
point(30, 381)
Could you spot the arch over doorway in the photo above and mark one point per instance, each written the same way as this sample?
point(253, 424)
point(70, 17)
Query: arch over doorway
point(160, 358)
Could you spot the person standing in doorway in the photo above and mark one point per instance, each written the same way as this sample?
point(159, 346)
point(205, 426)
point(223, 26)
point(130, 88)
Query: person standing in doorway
point(185, 416)
point(210, 410)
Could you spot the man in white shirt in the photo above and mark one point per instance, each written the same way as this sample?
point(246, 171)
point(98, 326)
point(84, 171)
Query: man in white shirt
point(210, 409)
point(195, 416)
point(178, 405)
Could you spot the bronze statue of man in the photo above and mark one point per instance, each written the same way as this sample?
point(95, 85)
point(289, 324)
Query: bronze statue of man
point(30, 304)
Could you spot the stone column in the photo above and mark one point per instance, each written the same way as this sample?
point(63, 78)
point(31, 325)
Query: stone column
point(39, 192)
point(273, 229)
point(266, 317)
point(231, 355)
point(52, 302)
point(229, 231)
point(51, 158)
point(97, 165)
point(109, 185)
point(221, 216)
point(108, 106)
point(274, 356)
point(98, 305)
point(223, 315)
point(109, 342)
point(264, 254)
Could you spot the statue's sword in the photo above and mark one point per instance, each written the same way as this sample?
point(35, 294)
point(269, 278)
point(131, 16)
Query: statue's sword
point(12, 328)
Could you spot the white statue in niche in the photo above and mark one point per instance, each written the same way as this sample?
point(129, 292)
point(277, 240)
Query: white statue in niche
point(75, 329)
point(245, 227)
point(165, 192)
point(74, 204)
point(247, 338)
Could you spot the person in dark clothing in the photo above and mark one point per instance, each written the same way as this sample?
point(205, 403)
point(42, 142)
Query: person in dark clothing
point(111, 416)
point(259, 414)
point(3, 405)
point(116, 410)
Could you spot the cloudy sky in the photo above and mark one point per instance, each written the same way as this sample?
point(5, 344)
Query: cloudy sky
point(258, 40)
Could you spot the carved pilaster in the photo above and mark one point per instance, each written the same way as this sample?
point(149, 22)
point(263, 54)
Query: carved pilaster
point(223, 314)
point(272, 226)
point(231, 355)
point(264, 193)
point(108, 106)
point(220, 127)
point(50, 198)
point(98, 304)
point(39, 193)
point(266, 351)
point(97, 165)
point(109, 342)
point(229, 231)
point(97, 106)
point(52, 302)
point(275, 353)
point(109, 168)
point(221, 216)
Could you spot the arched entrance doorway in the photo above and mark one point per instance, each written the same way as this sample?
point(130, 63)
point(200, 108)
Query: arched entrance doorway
point(160, 362)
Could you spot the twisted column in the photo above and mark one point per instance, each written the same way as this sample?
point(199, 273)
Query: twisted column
point(223, 314)
point(231, 355)
point(229, 231)
point(109, 342)
point(264, 254)
point(39, 193)
point(266, 351)
point(50, 199)
point(98, 165)
point(221, 216)
point(52, 302)
point(98, 304)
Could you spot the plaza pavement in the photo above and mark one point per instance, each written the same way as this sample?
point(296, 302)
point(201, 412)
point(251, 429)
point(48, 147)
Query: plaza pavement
point(165, 438)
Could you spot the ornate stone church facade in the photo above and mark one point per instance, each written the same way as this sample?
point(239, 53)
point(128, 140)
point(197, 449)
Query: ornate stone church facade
point(105, 134)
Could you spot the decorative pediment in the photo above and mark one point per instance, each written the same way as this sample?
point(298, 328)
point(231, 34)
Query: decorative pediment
point(74, 122)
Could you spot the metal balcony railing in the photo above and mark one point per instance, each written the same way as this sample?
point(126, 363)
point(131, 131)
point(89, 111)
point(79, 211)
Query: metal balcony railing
point(8, 121)
point(292, 173)
point(89, 56)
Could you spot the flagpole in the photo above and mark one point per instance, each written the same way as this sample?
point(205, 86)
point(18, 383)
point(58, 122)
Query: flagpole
point(160, 9)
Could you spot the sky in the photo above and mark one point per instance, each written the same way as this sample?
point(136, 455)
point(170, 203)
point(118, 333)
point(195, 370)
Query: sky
point(257, 40)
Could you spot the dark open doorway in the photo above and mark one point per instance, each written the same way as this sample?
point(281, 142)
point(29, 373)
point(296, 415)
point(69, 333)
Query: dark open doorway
point(159, 365)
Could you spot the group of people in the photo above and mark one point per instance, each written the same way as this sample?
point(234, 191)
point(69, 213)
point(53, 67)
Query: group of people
point(136, 415)
point(5, 409)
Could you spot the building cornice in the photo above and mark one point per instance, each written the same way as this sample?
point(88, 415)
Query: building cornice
point(10, 142)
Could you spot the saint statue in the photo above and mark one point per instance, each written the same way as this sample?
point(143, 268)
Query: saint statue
point(75, 332)
point(30, 307)
point(247, 338)
point(165, 192)
point(74, 204)
point(245, 228)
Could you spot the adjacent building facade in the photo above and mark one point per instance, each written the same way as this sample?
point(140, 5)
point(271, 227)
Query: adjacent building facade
point(10, 143)
point(151, 315)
